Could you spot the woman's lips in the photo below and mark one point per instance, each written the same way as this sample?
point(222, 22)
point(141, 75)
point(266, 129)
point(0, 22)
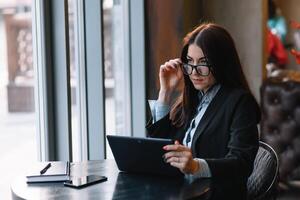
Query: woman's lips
point(197, 80)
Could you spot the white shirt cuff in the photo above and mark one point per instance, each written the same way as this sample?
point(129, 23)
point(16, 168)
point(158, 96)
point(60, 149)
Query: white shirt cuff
point(158, 109)
point(203, 171)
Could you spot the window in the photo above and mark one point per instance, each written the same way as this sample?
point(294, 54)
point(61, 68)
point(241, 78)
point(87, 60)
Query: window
point(68, 89)
point(87, 77)
point(116, 69)
point(17, 85)
point(74, 81)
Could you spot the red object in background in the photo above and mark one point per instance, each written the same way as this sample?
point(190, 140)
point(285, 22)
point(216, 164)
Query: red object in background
point(295, 24)
point(276, 49)
point(296, 54)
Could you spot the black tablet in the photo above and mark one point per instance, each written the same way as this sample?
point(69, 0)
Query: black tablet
point(141, 155)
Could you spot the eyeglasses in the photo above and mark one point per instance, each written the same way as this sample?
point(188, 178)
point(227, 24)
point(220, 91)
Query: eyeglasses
point(202, 69)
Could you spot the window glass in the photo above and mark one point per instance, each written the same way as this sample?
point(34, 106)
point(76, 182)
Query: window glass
point(17, 83)
point(75, 109)
point(116, 68)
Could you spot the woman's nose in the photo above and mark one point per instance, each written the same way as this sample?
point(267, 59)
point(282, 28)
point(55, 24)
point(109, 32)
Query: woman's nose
point(194, 71)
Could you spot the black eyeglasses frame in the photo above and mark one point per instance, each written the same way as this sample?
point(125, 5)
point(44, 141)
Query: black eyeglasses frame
point(195, 67)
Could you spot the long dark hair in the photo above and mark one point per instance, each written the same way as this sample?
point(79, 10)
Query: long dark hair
point(219, 49)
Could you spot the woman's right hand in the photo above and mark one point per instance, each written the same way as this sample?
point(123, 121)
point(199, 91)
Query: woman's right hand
point(170, 76)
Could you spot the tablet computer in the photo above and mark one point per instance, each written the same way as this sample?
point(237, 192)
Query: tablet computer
point(141, 155)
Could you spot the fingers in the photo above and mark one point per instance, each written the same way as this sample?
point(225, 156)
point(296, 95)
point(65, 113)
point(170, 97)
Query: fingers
point(176, 147)
point(177, 62)
point(175, 154)
point(178, 159)
point(178, 165)
point(183, 163)
point(178, 156)
point(186, 166)
point(171, 65)
point(178, 151)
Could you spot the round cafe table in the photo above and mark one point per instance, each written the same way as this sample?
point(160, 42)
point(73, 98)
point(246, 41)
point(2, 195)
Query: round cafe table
point(119, 185)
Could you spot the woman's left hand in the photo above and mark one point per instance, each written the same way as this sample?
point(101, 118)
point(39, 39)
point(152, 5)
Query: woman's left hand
point(181, 157)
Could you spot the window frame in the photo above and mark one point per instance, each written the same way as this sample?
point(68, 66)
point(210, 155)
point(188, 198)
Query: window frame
point(52, 57)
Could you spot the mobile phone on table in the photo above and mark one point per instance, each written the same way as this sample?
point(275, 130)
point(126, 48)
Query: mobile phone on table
point(80, 182)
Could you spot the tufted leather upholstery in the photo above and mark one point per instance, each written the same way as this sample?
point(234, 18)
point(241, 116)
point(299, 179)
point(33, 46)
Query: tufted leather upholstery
point(280, 125)
point(263, 180)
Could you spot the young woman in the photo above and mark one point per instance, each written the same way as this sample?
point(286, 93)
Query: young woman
point(214, 120)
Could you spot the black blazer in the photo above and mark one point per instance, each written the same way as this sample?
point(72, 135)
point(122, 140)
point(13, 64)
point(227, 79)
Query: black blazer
point(226, 137)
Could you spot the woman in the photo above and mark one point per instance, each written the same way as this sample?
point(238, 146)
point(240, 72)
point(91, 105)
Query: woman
point(214, 120)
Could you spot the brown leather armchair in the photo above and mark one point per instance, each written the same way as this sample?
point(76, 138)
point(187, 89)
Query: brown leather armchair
point(280, 125)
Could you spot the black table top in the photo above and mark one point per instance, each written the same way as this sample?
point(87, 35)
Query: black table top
point(119, 185)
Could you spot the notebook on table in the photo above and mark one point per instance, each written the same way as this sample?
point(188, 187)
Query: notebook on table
point(142, 155)
point(49, 172)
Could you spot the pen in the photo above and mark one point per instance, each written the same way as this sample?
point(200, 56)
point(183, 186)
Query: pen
point(45, 168)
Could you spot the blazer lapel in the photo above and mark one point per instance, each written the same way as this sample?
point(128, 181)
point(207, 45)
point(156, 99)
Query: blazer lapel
point(208, 115)
point(181, 133)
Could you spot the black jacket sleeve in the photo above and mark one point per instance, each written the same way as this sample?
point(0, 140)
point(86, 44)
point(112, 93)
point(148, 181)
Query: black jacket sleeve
point(163, 128)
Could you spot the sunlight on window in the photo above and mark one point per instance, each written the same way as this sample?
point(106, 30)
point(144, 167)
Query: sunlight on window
point(17, 116)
